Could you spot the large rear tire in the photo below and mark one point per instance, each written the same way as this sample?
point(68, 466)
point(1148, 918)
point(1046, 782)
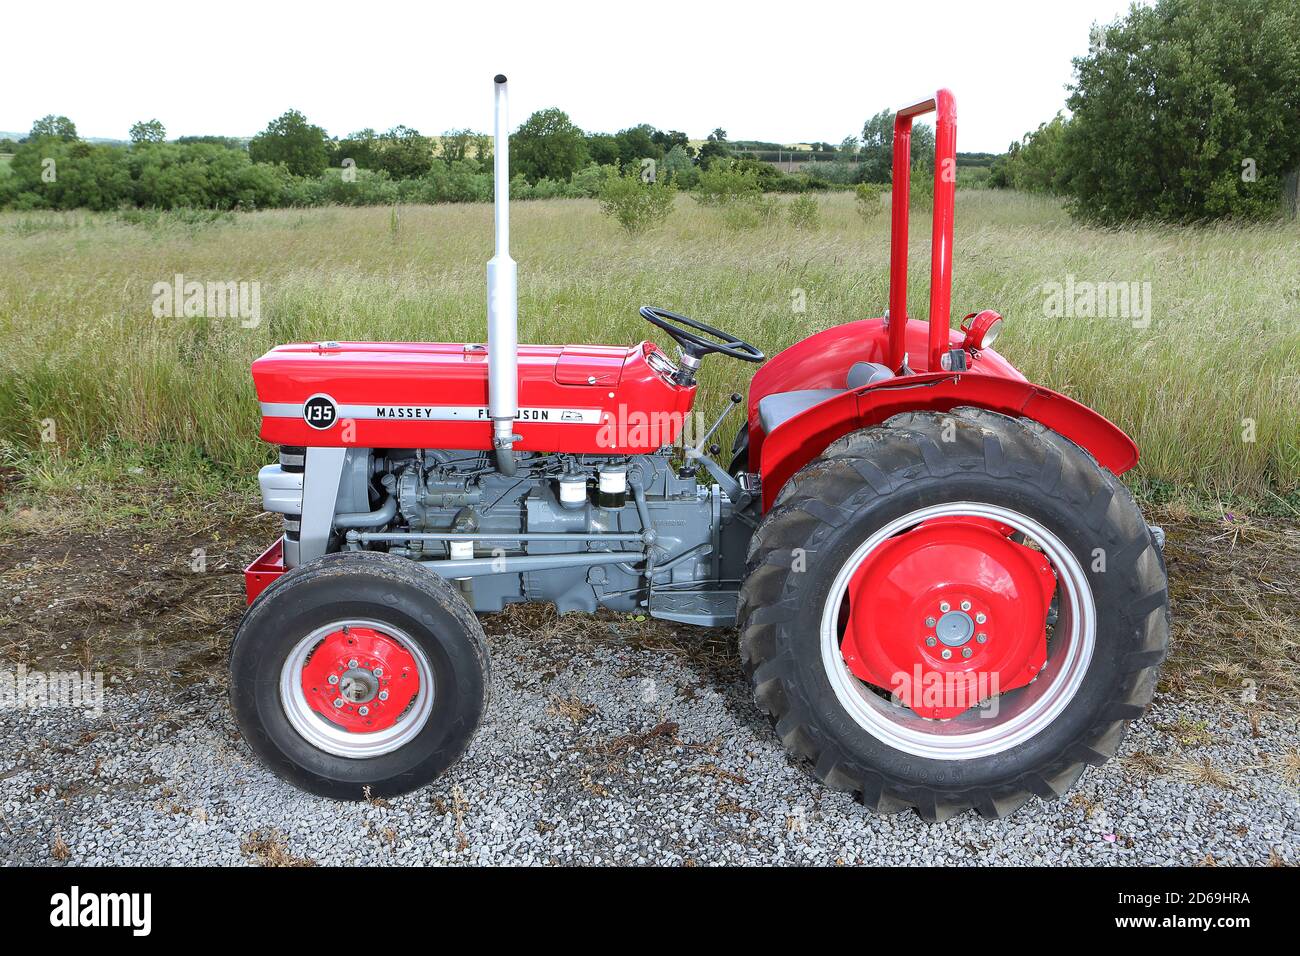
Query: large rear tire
point(359, 675)
point(1106, 631)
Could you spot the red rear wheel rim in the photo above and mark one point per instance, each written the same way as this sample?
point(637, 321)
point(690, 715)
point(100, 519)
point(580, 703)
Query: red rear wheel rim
point(953, 603)
point(866, 629)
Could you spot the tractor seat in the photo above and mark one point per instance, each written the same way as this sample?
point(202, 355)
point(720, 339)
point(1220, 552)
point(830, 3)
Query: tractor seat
point(780, 407)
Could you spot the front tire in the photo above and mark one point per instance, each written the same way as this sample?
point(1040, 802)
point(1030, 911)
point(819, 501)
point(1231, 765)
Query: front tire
point(359, 675)
point(1106, 630)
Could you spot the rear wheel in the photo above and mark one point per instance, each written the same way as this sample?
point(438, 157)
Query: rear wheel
point(359, 674)
point(953, 610)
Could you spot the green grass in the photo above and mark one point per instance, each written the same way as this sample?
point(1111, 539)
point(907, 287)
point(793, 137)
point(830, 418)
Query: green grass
point(80, 346)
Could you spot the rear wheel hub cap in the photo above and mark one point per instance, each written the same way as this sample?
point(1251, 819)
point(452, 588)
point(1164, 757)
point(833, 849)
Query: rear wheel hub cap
point(948, 614)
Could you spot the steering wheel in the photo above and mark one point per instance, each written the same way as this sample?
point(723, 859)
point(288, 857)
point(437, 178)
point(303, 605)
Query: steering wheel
point(685, 332)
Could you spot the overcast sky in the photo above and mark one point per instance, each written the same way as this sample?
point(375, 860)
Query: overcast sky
point(781, 72)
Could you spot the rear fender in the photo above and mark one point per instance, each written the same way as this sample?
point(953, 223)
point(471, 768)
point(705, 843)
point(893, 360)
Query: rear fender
point(805, 436)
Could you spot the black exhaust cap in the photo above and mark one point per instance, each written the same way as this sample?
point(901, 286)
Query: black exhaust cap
point(500, 77)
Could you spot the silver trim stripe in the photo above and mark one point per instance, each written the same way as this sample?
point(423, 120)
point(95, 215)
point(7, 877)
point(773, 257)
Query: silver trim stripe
point(440, 413)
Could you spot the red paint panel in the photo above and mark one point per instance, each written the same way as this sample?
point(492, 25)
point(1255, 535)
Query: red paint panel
point(590, 365)
point(823, 360)
point(627, 391)
point(802, 438)
point(263, 572)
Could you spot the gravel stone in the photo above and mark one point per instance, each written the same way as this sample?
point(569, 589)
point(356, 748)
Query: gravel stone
point(606, 754)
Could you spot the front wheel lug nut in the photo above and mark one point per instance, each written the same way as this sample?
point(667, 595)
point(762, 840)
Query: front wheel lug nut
point(945, 607)
point(947, 654)
point(929, 622)
point(981, 637)
point(965, 605)
point(930, 642)
point(980, 618)
point(965, 652)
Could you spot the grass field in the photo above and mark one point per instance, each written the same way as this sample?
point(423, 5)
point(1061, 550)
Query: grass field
point(1210, 389)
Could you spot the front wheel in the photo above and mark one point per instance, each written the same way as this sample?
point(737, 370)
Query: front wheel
point(359, 675)
point(953, 610)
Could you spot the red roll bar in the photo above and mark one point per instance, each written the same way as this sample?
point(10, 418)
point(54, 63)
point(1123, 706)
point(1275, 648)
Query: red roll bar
point(945, 185)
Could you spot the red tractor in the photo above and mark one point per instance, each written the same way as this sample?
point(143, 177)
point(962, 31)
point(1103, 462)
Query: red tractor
point(946, 598)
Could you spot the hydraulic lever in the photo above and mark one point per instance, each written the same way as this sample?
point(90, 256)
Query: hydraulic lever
point(695, 454)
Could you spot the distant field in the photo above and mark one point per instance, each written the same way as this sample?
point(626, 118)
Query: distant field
point(1210, 389)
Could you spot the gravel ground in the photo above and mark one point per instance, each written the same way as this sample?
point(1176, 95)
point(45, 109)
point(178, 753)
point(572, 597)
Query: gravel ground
point(600, 749)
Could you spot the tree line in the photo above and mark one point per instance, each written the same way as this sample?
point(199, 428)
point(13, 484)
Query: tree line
point(293, 162)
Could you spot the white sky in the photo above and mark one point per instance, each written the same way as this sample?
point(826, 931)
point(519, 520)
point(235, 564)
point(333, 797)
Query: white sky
point(781, 72)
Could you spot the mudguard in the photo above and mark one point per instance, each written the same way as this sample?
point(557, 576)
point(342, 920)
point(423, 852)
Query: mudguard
point(802, 438)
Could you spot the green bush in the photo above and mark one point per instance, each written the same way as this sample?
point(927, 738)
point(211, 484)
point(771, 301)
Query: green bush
point(633, 203)
point(678, 168)
point(201, 175)
point(587, 181)
point(1187, 110)
point(50, 172)
point(725, 183)
point(805, 213)
point(1036, 163)
point(869, 199)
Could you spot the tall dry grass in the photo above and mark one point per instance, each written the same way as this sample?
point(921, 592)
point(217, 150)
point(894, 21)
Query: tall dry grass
point(79, 344)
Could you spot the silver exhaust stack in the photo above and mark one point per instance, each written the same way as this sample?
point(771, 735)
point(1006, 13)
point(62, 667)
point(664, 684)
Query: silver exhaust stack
point(503, 301)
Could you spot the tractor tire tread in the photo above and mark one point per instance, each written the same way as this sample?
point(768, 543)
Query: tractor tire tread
point(868, 465)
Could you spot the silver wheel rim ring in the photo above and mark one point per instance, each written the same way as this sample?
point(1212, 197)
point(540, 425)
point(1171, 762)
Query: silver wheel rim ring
point(971, 736)
point(330, 737)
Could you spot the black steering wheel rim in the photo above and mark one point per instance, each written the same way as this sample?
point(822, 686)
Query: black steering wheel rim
point(684, 331)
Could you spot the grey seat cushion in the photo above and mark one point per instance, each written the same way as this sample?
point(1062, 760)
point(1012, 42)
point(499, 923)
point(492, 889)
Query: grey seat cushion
point(782, 406)
point(867, 373)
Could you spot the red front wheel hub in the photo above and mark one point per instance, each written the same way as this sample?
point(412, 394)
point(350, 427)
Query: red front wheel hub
point(948, 614)
point(360, 679)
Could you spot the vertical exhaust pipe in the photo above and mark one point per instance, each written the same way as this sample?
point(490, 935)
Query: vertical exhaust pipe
point(503, 300)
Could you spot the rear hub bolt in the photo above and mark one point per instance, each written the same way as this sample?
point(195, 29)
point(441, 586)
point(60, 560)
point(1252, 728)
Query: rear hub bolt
point(338, 701)
point(378, 672)
point(363, 710)
point(383, 695)
point(352, 663)
point(334, 678)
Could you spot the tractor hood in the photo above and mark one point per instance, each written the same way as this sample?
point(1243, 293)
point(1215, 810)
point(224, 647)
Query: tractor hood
point(435, 395)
